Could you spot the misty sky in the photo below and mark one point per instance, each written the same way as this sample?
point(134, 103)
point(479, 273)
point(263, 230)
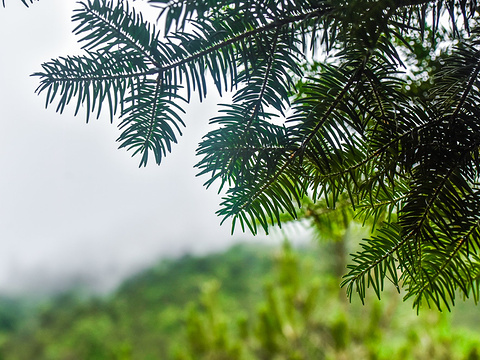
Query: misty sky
point(73, 206)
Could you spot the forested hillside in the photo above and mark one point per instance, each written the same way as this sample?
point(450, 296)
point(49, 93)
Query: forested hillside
point(250, 302)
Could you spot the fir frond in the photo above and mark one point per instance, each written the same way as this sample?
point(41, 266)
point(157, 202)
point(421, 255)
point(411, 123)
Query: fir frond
point(110, 25)
point(92, 79)
point(151, 122)
point(321, 117)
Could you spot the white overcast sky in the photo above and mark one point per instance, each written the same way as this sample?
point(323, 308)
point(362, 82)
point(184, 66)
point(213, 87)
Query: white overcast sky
point(73, 206)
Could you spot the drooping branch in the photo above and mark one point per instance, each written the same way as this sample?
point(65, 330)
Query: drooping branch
point(355, 76)
point(249, 34)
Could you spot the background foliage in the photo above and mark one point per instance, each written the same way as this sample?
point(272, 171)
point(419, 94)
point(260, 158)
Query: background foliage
point(250, 302)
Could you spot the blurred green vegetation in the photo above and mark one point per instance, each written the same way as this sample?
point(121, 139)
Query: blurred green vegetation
point(250, 302)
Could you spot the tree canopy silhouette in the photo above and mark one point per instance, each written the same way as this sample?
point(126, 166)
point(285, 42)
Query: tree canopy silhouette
point(373, 104)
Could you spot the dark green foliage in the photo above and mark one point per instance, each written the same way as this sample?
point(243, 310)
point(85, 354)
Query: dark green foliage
point(322, 112)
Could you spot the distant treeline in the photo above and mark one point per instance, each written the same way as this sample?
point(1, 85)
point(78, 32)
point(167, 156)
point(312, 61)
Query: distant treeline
point(250, 302)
